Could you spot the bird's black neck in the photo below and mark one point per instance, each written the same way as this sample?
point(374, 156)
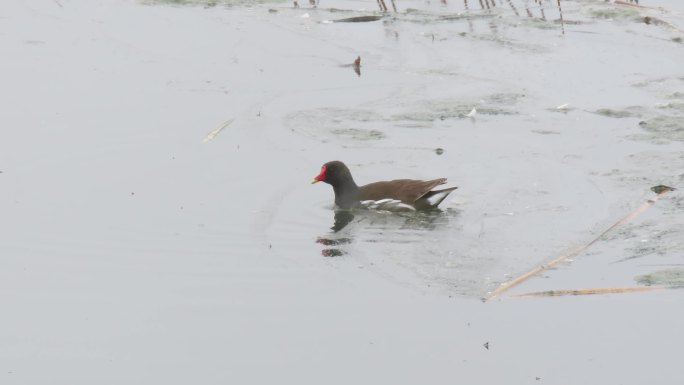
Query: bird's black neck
point(346, 193)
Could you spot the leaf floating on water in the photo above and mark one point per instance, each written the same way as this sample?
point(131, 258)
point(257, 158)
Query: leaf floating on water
point(357, 65)
point(213, 134)
point(662, 189)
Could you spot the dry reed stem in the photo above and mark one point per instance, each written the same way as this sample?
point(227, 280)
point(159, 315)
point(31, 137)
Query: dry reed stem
point(597, 290)
point(560, 12)
point(382, 5)
point(524, 277)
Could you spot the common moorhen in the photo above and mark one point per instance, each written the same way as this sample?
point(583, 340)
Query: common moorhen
point(395, 194)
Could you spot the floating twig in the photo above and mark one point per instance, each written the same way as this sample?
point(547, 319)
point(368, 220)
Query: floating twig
point(213, 134)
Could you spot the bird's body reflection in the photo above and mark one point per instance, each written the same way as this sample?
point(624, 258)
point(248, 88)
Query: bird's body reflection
point(394, 227)
point(342, 219)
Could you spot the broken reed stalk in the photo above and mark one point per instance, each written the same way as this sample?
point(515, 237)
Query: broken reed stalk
point(382, 5)
point(515, 10)
point(527, 9)
point(524, 277)
point(597, 290)
point(560, 12)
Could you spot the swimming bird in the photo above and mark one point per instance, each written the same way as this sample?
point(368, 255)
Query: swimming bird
point(398, 194)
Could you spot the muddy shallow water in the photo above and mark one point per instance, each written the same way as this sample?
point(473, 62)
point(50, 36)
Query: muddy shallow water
point(160, 226)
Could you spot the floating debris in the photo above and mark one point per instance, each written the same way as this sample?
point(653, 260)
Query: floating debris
point(439, 151)
point(486, 345)
point(357, 19)
point(213, 134)
point(357, 65)
point(546, 132)
point(662, 189)
point(472, 113)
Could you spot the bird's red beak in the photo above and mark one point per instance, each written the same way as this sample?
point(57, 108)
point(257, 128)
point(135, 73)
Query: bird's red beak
point(320, 177)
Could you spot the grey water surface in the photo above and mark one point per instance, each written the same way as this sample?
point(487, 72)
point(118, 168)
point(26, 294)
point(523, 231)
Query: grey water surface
point(159, 225)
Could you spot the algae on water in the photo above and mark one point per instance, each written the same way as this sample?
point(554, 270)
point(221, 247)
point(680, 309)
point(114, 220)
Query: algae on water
point(673, 277)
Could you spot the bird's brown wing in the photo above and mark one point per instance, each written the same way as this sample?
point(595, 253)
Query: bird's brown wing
point(406, 190)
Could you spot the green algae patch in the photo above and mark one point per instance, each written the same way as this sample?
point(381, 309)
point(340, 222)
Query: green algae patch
point(615, 113)
point(669, 277)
